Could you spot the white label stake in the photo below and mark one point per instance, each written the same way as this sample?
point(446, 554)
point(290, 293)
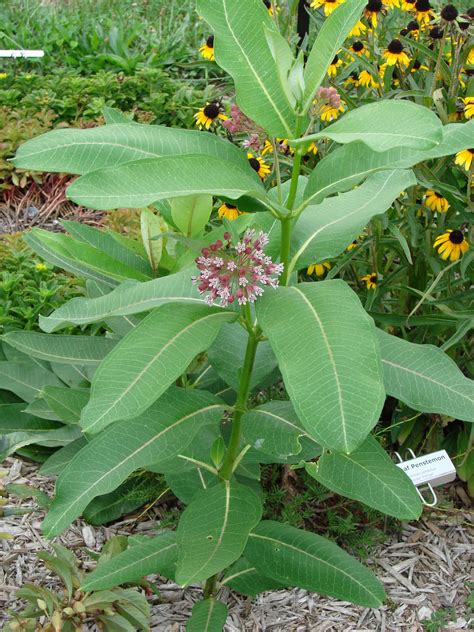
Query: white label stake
point(435, 468)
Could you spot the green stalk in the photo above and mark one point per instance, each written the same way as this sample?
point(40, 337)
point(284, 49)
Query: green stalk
point(286, 226)
point(241, 402)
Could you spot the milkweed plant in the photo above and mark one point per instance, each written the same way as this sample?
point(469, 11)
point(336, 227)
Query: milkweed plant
point(207, 310)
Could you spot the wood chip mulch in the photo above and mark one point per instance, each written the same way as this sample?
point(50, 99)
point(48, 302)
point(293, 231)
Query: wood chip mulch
point(426, 568)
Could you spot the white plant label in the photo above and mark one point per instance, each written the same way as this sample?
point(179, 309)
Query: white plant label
point(21, 53)
point(435, 468)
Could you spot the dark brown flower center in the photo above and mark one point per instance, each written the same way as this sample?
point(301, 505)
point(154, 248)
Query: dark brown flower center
point(210, 41)
point(395, 47)
point(373, 278)
point(254, 163)
point(357, 47)
point(422, 6)
point(211, 110)
point(413, 26)
point(335, 60)
point(456, 237)
point(471, 150)
point(449, 13)
point(438, 195)
point(416, 64)
point(231, 206)
point(436, 32)
point(374, 6)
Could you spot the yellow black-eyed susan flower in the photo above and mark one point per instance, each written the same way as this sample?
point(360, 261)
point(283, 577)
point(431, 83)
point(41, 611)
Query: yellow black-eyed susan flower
point(423, 11)
point(413, 28)
point(40, 266)
point(358, 48)
point(408, 5)
point(417, 65)
point(392, 4)
point(319, 268)
point(259, 165)
point(312, 149)
point(207, 49)
point(352, 79)
point(464, 158)
point(436, 202)
point(366, 80)
point(354, 243)
point(333, 66)
point(208, 114)
point(468, 107)
point(370, 280)
point(394, 53)
point(269, 6)
point(358, 29)
point(470, 57)
point(229, 211)
point(330, 113)
point(372, 10)
point(451, 245)
point(328, 5)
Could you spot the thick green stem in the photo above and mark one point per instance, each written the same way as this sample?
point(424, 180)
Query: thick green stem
point(240, 406)
point(285, 244)
point(294, 180)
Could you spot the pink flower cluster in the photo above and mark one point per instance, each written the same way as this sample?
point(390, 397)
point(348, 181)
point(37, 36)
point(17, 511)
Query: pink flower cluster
point(238, 122)
point(236, 273)
point(330, 95)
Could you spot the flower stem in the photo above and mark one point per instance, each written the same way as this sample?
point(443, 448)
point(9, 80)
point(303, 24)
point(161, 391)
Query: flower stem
point(286, 226)
point(240, 405)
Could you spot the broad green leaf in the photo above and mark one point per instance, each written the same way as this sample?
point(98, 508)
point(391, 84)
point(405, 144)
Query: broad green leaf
point(304, 559)
point(425, 378)
point(82, 150)
point(13, 419)
point(156, 555)
point(128, 298)
point(324, 231)
point(274, 428)
point(129, 496)
point(331, 35)
point(369, 475)
point(330, 362)
point(55, 464)
point(347, 166)
point(142, 182)
point(120, 325)
point(12, 442)
point(26, 380)
point(152, 226)
point(411, 125)
point(208, 615)
point(61, 349)
point(161, 433)
point(241, 49)
point(39, 408)
point(245, 579)
point(109, 242)
point(191, 213)
point(227, 353)
point(148, 360)
point(81, 260)
point(189, 482)
point(113, 116)
point(73, 375)
point(67, 403)
point(213, 530)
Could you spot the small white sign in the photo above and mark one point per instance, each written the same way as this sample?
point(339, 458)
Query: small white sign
point(21, 53)
point(435, 468)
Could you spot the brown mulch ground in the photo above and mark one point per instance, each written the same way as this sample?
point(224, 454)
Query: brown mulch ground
point(425, 568)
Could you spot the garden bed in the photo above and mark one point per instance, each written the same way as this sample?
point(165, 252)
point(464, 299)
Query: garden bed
point(426, 569)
